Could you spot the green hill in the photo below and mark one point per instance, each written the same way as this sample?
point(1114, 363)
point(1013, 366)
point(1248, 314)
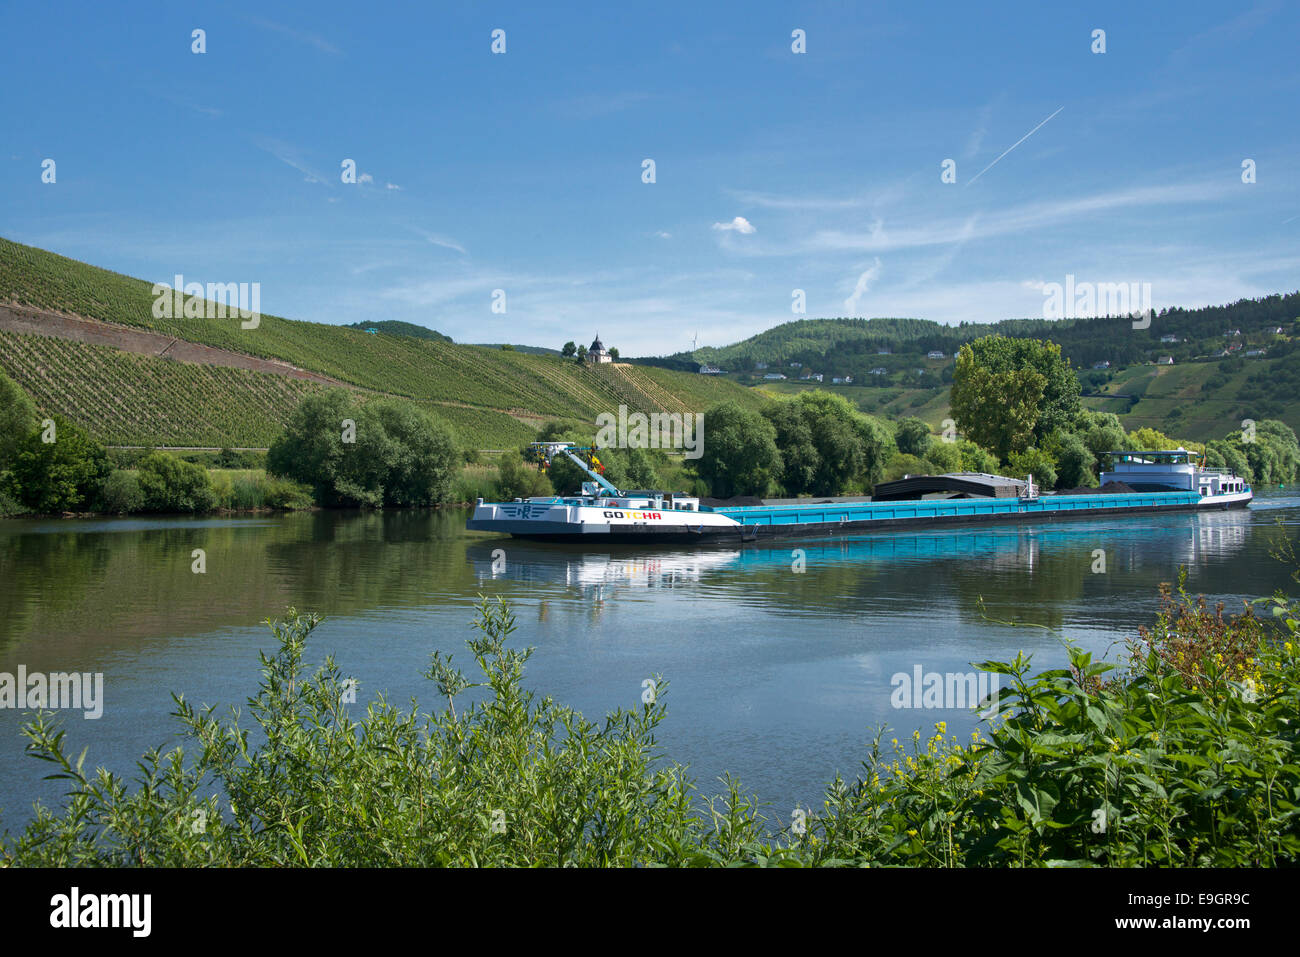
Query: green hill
point(1201, 396)
point(532, 350)
point(839, 347)
point(497, 398)
point(395, 327)
point(493, 397)
point(1198, 401)
point(1203, 400)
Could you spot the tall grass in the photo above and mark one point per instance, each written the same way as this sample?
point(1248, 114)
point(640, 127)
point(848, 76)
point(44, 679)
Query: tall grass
point(474, 482)
point(245, 489)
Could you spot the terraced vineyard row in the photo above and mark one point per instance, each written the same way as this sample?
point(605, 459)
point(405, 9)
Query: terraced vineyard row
point(129, 399)
point(482, 428)
point(651, 390)
point(560, 377)
point(622, 391)
point(699, 392)
point(495, 382)
point(398, 365)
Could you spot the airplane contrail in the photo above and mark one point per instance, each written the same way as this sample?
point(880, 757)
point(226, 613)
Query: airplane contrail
point(1011, 147)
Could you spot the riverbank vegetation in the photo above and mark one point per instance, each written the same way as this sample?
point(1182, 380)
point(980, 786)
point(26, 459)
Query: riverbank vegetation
point(366, 453)
point(1015, 406)
point(1016, 412)
point(1184, 756)
point(336, 450)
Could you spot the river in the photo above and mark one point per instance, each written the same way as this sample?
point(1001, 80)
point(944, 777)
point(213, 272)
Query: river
point(777, 675)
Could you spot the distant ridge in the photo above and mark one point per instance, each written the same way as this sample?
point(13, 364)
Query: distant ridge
point(395, 327)
point(531, 350)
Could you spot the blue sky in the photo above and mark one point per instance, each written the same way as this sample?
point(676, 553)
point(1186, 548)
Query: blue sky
point(523, 171)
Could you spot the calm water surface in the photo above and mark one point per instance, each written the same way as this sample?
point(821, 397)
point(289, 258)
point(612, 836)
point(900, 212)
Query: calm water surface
point(776, 676)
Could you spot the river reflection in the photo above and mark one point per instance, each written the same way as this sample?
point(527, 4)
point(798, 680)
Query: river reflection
point(779, 656)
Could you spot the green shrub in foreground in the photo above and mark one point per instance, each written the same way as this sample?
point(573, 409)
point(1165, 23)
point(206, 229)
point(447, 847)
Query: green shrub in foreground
point(1170, 763)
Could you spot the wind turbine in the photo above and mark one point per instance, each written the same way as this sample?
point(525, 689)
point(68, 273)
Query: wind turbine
point(695, 341)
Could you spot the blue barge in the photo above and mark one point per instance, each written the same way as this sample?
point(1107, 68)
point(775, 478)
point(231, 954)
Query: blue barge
point(1169, 482)
point(955, 510)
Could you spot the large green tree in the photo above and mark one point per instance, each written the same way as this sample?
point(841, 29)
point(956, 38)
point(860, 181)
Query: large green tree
point(374, 453)
point(311, 450)
point(1101, 432)
point(912, 436)
point(827, 446)
point(423, 461)
point(794, 437)
point(1268, 455)
point(1076, 466)
point(1009, 394)
point(63, 474)
point(17, 418)
point(997, 410)
point(740, 456)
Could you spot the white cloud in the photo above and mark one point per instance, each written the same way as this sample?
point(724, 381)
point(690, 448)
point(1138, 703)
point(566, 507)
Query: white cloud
point(860, 289)
point(884, 195)
point(664, 235)
point(392, 186)
point(289, 156)
point(442, 241)
point(302, 36)
point(1061, 214)
point(976, 138)
point(740, 224)
point(365, 178)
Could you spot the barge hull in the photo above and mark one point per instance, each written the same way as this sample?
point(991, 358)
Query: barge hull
point(766, 523)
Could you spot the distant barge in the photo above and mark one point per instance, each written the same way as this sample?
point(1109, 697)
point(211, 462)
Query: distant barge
point(1137, 483)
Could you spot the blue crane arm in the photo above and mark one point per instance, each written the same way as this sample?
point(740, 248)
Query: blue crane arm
point(548, 450)
point(596, 476)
